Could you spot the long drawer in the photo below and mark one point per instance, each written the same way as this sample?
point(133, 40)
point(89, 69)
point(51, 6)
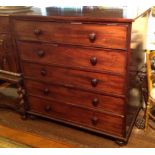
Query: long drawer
point(92, 59)
point(76, 97)
point(103, 35)
point(75, 78)
point(82, 117)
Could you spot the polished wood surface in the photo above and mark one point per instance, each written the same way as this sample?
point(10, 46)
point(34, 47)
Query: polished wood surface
point(98, 60)
point(75, 97)
point(70, 113)
point(75, 78)
point(50, 134)
point(4, 24)
point(105, 13)
point(31, 140)
point(82, 55)
point(103, 35)
point(8, 57)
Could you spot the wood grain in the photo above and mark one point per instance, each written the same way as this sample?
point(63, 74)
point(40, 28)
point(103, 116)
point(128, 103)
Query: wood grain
point(72, 56)
point(80, 79)
point(79, 116)
point(108, 36)
point(75, 97)
point(8, 56)
point(32, 140)
point(78, 58)
point(4, 24)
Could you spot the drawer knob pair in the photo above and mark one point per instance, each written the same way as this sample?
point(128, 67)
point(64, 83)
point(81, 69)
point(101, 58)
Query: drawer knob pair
point(94, 82)
point(95, 102)
point(92, 37)
point(93, 61)
point(40, 53)
point(37, 31)
point(47, 108)
point(94, 120)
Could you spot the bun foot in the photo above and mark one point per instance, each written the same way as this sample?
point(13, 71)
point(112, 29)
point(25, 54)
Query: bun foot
point(24, 117)
point(120, 142)
point(33, 117)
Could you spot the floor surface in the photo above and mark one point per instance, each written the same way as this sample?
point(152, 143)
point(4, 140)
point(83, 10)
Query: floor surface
point(53, 134)
point(69, 136)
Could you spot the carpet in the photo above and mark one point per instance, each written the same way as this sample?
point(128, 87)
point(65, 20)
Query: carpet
point(7, 143)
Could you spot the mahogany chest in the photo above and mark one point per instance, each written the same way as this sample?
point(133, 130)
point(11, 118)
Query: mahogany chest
point(81, 69)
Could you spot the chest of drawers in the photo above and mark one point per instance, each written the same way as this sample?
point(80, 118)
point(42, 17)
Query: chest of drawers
point(78, 70)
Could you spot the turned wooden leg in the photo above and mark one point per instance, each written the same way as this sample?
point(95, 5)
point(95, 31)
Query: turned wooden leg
point(21, 102)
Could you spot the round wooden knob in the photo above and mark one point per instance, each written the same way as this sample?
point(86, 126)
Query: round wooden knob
point(92, 37)
point(40, 53)
point(46, 91)
point(43, 72)
point(95, 102)
point(48, 108)
point(94, 82)
point(37, 31)
point(94, 120)
point(93, 61)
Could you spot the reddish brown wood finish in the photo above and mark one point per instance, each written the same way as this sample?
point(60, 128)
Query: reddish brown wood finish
point(80, 79)
point(108, 36)
point(7, 54)
point(70, 56)
point(92, 119)
point(4, 24)
point(68, 61)
point(76, 97)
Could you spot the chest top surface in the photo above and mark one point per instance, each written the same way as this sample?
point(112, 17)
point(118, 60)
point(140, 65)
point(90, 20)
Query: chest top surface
point(86, 13)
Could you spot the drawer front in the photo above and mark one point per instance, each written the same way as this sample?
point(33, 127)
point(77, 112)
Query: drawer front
point(4, 24)
point(75, 78)
point(92, 59)
point(108, 36)
point(76, 97)
point(80, 116)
